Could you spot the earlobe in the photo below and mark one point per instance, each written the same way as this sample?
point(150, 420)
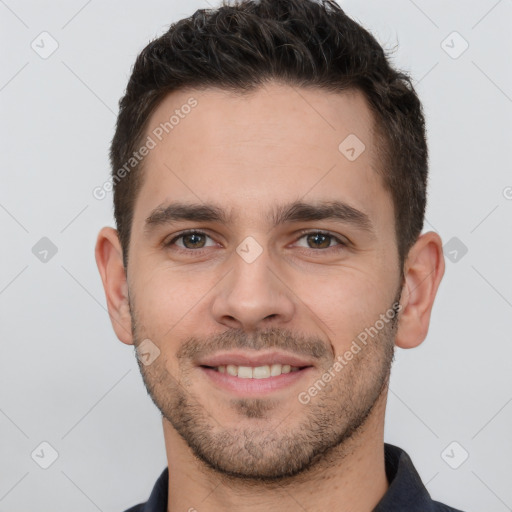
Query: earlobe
point(109, 259)
point(423, 272)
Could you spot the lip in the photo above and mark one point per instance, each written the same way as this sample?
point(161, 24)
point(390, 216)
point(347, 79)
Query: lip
point(253, 387)
point(256, 358)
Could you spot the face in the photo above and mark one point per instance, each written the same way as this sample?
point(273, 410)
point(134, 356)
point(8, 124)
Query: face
point(279, 261)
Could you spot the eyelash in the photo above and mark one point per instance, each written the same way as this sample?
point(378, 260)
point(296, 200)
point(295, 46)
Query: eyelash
point(303, 233)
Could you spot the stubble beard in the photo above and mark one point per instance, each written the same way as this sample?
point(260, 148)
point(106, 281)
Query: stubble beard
point(264, 450)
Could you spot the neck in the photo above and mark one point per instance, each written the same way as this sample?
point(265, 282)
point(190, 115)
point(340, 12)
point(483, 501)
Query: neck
point(351, 477)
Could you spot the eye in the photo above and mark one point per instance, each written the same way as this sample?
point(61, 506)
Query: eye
point(194, 240)
point(321, 239)
point(191, 239)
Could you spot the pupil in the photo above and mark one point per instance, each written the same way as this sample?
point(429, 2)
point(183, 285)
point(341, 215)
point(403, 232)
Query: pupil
point(317, 237)
point(194, 237)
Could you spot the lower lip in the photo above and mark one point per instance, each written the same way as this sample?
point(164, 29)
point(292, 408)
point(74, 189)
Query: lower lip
point(245, 387)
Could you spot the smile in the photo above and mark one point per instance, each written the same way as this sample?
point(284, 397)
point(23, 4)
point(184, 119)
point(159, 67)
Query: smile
point(253, 381)
point(256, 372)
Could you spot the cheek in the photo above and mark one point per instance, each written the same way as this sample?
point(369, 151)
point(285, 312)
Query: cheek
point(167, 299)
point(347, 303)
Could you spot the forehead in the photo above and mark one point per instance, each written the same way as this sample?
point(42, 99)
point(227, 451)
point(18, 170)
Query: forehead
point(249, 153)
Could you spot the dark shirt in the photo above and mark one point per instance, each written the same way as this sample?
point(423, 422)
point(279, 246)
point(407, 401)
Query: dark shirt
point(406, 492)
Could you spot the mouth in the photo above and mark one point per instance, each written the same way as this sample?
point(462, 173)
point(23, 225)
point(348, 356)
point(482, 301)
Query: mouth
point(255, 381)
point(255, 372)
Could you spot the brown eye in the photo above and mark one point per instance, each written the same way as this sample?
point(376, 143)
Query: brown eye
point(189, 240)
point(193, 240)
point(321, 240)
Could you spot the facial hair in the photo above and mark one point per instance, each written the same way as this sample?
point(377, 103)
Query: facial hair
point(258, 451)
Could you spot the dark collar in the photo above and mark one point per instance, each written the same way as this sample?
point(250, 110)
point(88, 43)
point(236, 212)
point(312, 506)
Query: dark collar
point(406, 491)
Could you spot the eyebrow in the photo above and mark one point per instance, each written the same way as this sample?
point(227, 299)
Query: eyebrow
point(297, 211)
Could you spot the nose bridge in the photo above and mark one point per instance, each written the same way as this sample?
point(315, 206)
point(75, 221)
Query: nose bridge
point(252, 292)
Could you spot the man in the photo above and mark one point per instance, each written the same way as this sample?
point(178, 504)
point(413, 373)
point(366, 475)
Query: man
point(269, 171)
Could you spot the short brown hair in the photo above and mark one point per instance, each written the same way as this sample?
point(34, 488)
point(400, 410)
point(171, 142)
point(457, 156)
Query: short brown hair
point(299, 42)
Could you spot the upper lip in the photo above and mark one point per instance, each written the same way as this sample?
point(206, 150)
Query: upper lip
point(253, 359)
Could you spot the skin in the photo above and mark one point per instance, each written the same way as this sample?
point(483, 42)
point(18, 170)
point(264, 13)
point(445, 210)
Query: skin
point(303, 295)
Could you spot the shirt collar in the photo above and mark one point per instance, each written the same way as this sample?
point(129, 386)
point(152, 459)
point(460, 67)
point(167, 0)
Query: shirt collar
point(406, 490)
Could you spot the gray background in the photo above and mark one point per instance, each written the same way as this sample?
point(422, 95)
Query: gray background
point(66, 380)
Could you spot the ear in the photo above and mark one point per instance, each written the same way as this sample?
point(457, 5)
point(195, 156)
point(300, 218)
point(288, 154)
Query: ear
point(424, 269)
point(109, 258)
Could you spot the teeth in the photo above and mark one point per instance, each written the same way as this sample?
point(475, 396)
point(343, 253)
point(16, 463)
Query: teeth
point(245, 372)
point(258, 372)
point(275, 370)
point(231, 369)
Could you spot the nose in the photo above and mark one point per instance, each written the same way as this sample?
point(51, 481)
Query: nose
point(253, 296)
